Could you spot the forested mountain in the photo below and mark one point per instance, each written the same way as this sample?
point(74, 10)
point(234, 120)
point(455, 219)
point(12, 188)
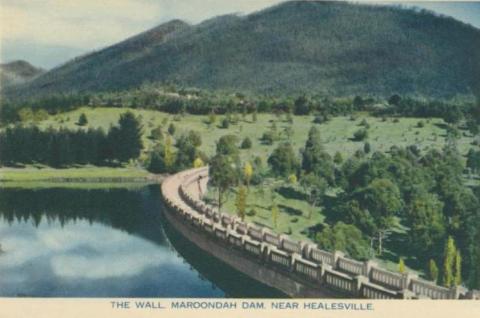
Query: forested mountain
point(18, 72)
point(333, 48)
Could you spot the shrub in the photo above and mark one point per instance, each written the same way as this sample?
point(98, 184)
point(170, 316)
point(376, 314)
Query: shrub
point(156, 160)
point(344, 237)
point(258, 162)
point(292, 179)
point(246, 143)
point(289, 118)
point(360, 135)
point(338, 158)
point(225, 123)
point(367, 148)
point(359, 154)
point(212, 118)
point(257, 178)
point(195, 138)
point(82, 120)
point(172, 129)
point(252, 212)
point(156, 133)
point(319, 119)
point(268, 138)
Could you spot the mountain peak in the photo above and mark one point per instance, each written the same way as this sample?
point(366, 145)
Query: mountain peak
point(17, 72)
point(22, 68)
point(334, 48)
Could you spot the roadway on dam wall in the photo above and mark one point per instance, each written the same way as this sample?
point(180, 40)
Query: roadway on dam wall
point(296, 268)
point(237, 259)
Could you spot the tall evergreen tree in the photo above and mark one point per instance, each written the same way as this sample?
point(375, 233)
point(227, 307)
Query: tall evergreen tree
point(315, 159)
point(241, 202)
point(169, 156)
point(458, 268)
point(314, 187)
point(448, 263)
point(433, 270)
point(129, 137)
point(222, 175)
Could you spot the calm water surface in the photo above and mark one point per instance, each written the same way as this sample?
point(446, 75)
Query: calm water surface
point(104, 243)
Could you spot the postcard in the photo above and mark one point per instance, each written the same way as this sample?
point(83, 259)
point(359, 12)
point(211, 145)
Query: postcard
point(163, 158)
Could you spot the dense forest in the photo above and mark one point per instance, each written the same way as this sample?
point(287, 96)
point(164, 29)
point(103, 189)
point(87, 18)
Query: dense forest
point(422, 192)
point(333, 48)
point(62, 147)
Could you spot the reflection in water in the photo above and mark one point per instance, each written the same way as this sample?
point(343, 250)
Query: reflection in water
point(104, 243)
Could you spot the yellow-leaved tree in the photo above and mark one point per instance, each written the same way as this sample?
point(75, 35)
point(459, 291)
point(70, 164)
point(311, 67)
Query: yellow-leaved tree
point(247, 173)
point(292, 179)
point(198, 163)
point(401, 266)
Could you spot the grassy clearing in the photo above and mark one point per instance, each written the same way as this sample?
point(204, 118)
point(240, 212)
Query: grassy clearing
point(33, 177)
point(337, 133)
point(72, 185)
point(294, 211)
point(32, 173)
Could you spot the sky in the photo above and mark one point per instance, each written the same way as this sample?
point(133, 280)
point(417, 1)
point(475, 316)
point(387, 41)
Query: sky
point(50, 32)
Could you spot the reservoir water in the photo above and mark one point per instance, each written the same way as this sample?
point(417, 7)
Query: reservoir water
point(62, 242)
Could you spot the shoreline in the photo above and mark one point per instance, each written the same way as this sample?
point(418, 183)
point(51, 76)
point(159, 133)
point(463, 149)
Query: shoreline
point(32, 177)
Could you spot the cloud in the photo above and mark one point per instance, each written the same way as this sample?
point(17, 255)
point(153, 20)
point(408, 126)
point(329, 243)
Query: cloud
point(80, 250)
point(91, 24)
point(85, 24)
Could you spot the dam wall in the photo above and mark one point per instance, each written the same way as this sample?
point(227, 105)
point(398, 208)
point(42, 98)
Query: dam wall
point(297, 268)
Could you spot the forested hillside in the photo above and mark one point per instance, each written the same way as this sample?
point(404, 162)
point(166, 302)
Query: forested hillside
point(295, 47)
point(18, 72)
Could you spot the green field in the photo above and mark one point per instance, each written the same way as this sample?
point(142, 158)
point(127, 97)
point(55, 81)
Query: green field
point(293, 211)
point(337, 134)
point(87, 172)
point(81, 177)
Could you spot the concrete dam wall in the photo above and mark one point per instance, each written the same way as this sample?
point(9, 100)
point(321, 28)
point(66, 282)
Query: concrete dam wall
point(298, 269)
